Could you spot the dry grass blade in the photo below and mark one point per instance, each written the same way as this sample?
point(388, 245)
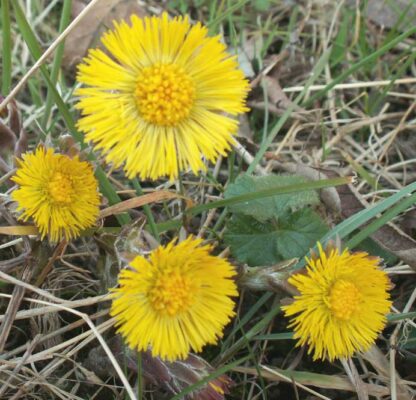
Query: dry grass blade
point(355, 379)
point(14, 304)
point(313, 379)
point(354, 85)
point(86, 318)
point(19, 230)
point(141, 201)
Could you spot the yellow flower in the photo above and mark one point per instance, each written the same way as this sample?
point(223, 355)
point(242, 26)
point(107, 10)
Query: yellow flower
point(60, 193)
point(161, 97)
point(176, 300)
point(342, 304)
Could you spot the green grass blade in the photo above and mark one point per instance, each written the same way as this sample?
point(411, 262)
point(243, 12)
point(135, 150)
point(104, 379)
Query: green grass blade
point(35, 50)
point(147, 210)
point(401, 316)
point(247, 318)
point(275, 191)
point(355, 67)
point(212, 25)
point(241, 342)
point(379, 222)
point(275, 336)
point(357, 220)
point(6, 75)
point(56, 66)
point(362, 217)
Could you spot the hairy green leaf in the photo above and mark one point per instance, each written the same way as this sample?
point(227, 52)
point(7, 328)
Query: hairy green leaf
point(266, 243)
point(264, 208)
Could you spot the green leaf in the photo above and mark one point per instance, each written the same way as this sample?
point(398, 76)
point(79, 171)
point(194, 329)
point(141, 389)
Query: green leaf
point(7, 49)
point(264, 208)
point(258, 243)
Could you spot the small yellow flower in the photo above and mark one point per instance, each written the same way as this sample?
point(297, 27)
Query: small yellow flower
point(176, 300)
point(161, 97)
point(342, 304)
point(60, 193)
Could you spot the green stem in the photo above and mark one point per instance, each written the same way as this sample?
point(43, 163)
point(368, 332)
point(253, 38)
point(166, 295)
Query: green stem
point(147, 211)
point(139, 376)
point(299, 187)
point(7, 48)
point(183, 203)
point(56, 66)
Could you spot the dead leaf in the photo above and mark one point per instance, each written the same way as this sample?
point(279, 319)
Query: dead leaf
point(250, 50)
point(99, 19)
point(19, 230)
point(244, 130)
point(14, 118)
point(387, 14)
point(409, 222)
point(10, 130)
point(381, 364)
point(278, 100)
point(21, 144)
point(7, 138)
point(171, 376)
point(141, 201)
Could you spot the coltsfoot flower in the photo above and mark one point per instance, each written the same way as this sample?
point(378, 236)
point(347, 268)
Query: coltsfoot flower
point(58, 192)
point(342, 304)
point(161, 97)
point(176, 300)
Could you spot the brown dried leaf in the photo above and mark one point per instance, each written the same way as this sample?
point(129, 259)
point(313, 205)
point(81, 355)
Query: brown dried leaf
point(387, 14)
point(7, 138)
point(19, 230)
point(278, 101)
point(22, 144)
point(153, 197)
point(381, 364)
point(244, 130)
point(10, 129)
point(171, 376)
point(99, 19)
point(14, 118)
point(276, 94)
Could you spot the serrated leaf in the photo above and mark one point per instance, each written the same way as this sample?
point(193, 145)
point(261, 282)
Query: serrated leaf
point(268, 207)
point(266, 243)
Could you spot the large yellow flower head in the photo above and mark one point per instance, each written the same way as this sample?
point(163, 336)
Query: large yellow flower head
point(175, 301)
point(342, 304)
point(60, 193)
point(161, 97)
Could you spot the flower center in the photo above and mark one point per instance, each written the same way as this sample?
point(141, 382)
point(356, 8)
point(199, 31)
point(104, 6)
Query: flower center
point(172, 293)
point(344, 299)
point(164, 94)
point(61, 188)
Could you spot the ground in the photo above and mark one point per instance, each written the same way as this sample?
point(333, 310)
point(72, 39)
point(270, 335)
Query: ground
point(326, 152)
